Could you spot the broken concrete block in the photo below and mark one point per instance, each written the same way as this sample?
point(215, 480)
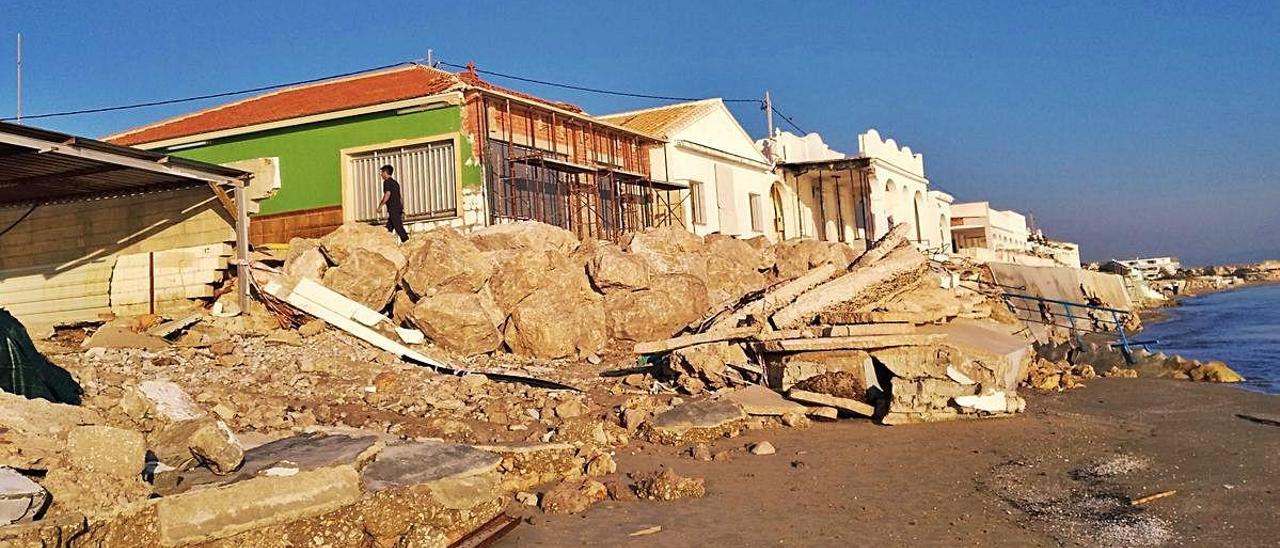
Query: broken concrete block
point(524, 235)
point(210, 513)
point(20, 498)
point(203, 440)
point(35, 430)
point(758, 400)
point(844, 404)
point(107, 450)
point(459, 476)
point(703, 366)
point(696, 421)
point(167, 401)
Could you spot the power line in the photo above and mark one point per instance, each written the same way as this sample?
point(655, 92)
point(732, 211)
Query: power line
point(789, 121)
point(576, 87)
point(202, 97)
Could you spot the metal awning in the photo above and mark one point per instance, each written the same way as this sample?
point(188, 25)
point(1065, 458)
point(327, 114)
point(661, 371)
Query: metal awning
point(39, 167)
point(552, 162)
point(836, 164)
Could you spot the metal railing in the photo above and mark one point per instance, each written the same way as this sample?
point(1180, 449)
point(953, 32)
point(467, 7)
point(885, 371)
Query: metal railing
point(1079, 318)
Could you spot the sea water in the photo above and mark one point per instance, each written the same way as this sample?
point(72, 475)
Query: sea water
point(1240, 327)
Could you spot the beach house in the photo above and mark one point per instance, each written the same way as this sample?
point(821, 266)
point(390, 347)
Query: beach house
point(705, 148)
point(468, 153)
point(834, 197)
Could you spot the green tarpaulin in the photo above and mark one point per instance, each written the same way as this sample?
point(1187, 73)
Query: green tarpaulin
point(25, 371)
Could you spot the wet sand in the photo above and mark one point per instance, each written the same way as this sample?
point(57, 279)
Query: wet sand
point(1062, 474)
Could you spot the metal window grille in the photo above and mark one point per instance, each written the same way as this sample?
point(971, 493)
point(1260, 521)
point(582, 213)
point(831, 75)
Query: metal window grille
point(426, 172)
point(696, 203)
point(757, 214)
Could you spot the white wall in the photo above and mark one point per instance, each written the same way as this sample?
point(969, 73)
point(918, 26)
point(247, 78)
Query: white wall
point(715, 151)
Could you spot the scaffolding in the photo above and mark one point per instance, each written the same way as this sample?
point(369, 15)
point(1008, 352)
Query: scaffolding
point(572, 172)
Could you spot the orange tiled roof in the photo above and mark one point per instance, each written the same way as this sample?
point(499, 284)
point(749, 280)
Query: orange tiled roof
point(660, 122)
point(329, 96)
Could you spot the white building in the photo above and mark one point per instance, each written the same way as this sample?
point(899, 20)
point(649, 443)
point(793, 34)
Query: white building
point(830, 196)
point(977, 225)
point(729, 179)
point(1153, 267)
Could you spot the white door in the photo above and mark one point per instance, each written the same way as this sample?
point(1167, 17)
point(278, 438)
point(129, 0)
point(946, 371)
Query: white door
point(725, 200)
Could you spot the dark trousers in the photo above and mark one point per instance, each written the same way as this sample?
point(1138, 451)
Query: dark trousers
point(395, 223)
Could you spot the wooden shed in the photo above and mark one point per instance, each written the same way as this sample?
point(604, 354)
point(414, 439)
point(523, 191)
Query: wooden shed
point(89, 228)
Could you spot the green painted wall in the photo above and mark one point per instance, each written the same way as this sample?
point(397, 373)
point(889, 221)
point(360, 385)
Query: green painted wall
point(310, 161)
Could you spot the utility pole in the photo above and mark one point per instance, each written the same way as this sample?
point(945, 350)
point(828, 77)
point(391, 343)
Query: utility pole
point(431, 58)
point(19, 112)
point(768, 112)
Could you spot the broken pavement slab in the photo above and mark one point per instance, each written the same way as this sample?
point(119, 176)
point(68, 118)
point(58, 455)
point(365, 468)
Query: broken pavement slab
point(843, 404)
point(759, 400)
point(20, 498)
point(696, 421)
point(459, 476)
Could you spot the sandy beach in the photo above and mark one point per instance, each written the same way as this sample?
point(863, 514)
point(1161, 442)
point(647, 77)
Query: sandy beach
point(1062, 474)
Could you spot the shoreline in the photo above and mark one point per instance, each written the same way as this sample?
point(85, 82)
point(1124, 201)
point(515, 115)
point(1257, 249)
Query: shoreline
point(1161, 314)
point(1062, 474)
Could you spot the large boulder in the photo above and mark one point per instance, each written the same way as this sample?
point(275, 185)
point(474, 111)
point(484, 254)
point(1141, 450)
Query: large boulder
point(202, 440)
point(339, 244)
point(611, 269)
point(557, 321)
point(793, 258)
point(366, 277)
point(669, 250)
point(728, 278)
point(517, 273)
point(305, 259)
point(446, 261)
point(463, 322)
point(671, 302)
point(531, 235)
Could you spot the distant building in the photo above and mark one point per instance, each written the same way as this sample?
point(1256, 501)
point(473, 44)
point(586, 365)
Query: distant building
point(1064, 253)
point(978, 225)
point(1152, 267)
point(705, 148)
point(829, 196)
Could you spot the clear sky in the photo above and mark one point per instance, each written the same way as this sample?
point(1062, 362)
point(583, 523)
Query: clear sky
point(1131, 128)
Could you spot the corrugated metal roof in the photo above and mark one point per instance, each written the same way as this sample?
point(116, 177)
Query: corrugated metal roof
point(41, 166)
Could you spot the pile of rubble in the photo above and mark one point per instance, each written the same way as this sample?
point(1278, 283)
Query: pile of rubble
point(305, 428)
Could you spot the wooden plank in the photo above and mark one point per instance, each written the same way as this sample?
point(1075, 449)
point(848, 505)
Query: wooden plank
point(674, 343)
point(851, 343)
point(162, 293)
point(9, 298)
point(57, 305)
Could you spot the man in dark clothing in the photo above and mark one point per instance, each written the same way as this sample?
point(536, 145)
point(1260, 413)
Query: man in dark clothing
point(393, 202)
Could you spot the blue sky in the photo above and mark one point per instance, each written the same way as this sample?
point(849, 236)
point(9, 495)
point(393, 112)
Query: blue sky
point(1128, 127)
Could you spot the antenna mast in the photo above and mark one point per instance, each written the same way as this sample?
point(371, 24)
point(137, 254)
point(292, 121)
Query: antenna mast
point(19, 112)
point(768, 112)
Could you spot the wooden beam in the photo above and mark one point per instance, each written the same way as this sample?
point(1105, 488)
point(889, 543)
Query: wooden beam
point(224, 198)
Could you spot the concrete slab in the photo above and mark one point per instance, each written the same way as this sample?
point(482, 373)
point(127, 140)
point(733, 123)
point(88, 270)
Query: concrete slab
point(697, 421)
point(459, 476)
point(843, 404)
point(304, 452)
point(759, 400)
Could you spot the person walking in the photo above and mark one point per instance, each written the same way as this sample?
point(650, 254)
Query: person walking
point(392, 200)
